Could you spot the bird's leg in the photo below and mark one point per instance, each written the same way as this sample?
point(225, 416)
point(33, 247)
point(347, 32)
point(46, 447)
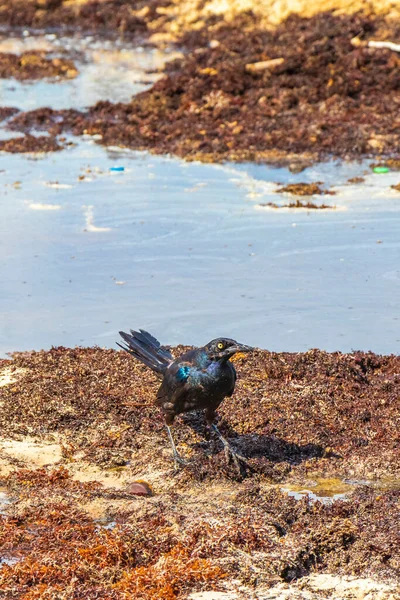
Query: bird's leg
point(178, 460)
point(229, 451)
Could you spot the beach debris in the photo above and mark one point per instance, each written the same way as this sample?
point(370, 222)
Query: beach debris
point(117, 169)
point(381, 170)
point(375, 44)
point(264, 65)
point(139, 488)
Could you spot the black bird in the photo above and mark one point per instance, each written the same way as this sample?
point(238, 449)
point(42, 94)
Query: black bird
point(199, 379)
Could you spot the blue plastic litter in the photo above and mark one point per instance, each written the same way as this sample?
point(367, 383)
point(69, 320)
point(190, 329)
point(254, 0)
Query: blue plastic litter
point(117, 168)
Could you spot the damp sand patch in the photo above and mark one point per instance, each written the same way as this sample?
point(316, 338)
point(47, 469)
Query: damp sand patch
point(9, 375)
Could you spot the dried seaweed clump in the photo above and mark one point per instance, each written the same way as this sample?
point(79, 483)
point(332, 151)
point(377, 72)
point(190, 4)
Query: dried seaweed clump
point(167, 546)
point(7, 111)
point(356, 180)
point(291, 413)
point(298, 204)
point(35, 65)
point(30, 143)
point(175, 573)
point(304, 189)
point(89, 15)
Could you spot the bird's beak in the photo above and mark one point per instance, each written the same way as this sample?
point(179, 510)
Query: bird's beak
point(242, 348)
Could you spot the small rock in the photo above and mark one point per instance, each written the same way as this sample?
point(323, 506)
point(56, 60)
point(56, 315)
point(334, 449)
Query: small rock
point(139, 488)
point(298, 167)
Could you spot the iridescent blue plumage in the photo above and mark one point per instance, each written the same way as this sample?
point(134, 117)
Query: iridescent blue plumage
point(183, 373)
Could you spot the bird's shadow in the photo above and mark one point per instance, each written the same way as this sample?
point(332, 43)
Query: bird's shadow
point(252, 445)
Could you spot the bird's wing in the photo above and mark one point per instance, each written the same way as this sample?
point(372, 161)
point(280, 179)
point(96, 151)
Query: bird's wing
point(176, 382)
point(234, 381)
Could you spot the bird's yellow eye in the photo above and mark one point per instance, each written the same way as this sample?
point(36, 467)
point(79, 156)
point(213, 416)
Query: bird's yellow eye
point(220, 345)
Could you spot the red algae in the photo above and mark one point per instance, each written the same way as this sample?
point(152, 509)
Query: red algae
point(168, 579)
point(292, 415)
point(327, 97)
point(180, 543)
point(336, 412)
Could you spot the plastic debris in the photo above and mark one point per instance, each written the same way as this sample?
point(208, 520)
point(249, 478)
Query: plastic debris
point(381, 169)
point(119, 169)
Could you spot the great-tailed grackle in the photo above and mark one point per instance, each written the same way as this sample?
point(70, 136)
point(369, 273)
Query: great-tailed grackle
point(199, 379)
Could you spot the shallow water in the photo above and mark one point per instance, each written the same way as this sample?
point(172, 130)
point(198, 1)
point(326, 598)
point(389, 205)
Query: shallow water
point(322, 489)
point(329, 490)
point(9, 561)
point(185, 250)
point(107, 71)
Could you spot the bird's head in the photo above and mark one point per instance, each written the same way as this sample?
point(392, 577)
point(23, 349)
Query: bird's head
point(224, 348)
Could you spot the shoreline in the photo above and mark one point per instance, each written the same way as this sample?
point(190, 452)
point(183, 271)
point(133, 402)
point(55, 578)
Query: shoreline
point(242, 91)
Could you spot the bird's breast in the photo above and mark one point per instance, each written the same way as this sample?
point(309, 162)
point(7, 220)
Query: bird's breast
point(216, 378)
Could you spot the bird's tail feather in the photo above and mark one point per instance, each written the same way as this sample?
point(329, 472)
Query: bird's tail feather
point(143, 346)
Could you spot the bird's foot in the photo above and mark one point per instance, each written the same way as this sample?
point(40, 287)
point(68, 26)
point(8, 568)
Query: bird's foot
point(238, 460)
point(179, 461)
